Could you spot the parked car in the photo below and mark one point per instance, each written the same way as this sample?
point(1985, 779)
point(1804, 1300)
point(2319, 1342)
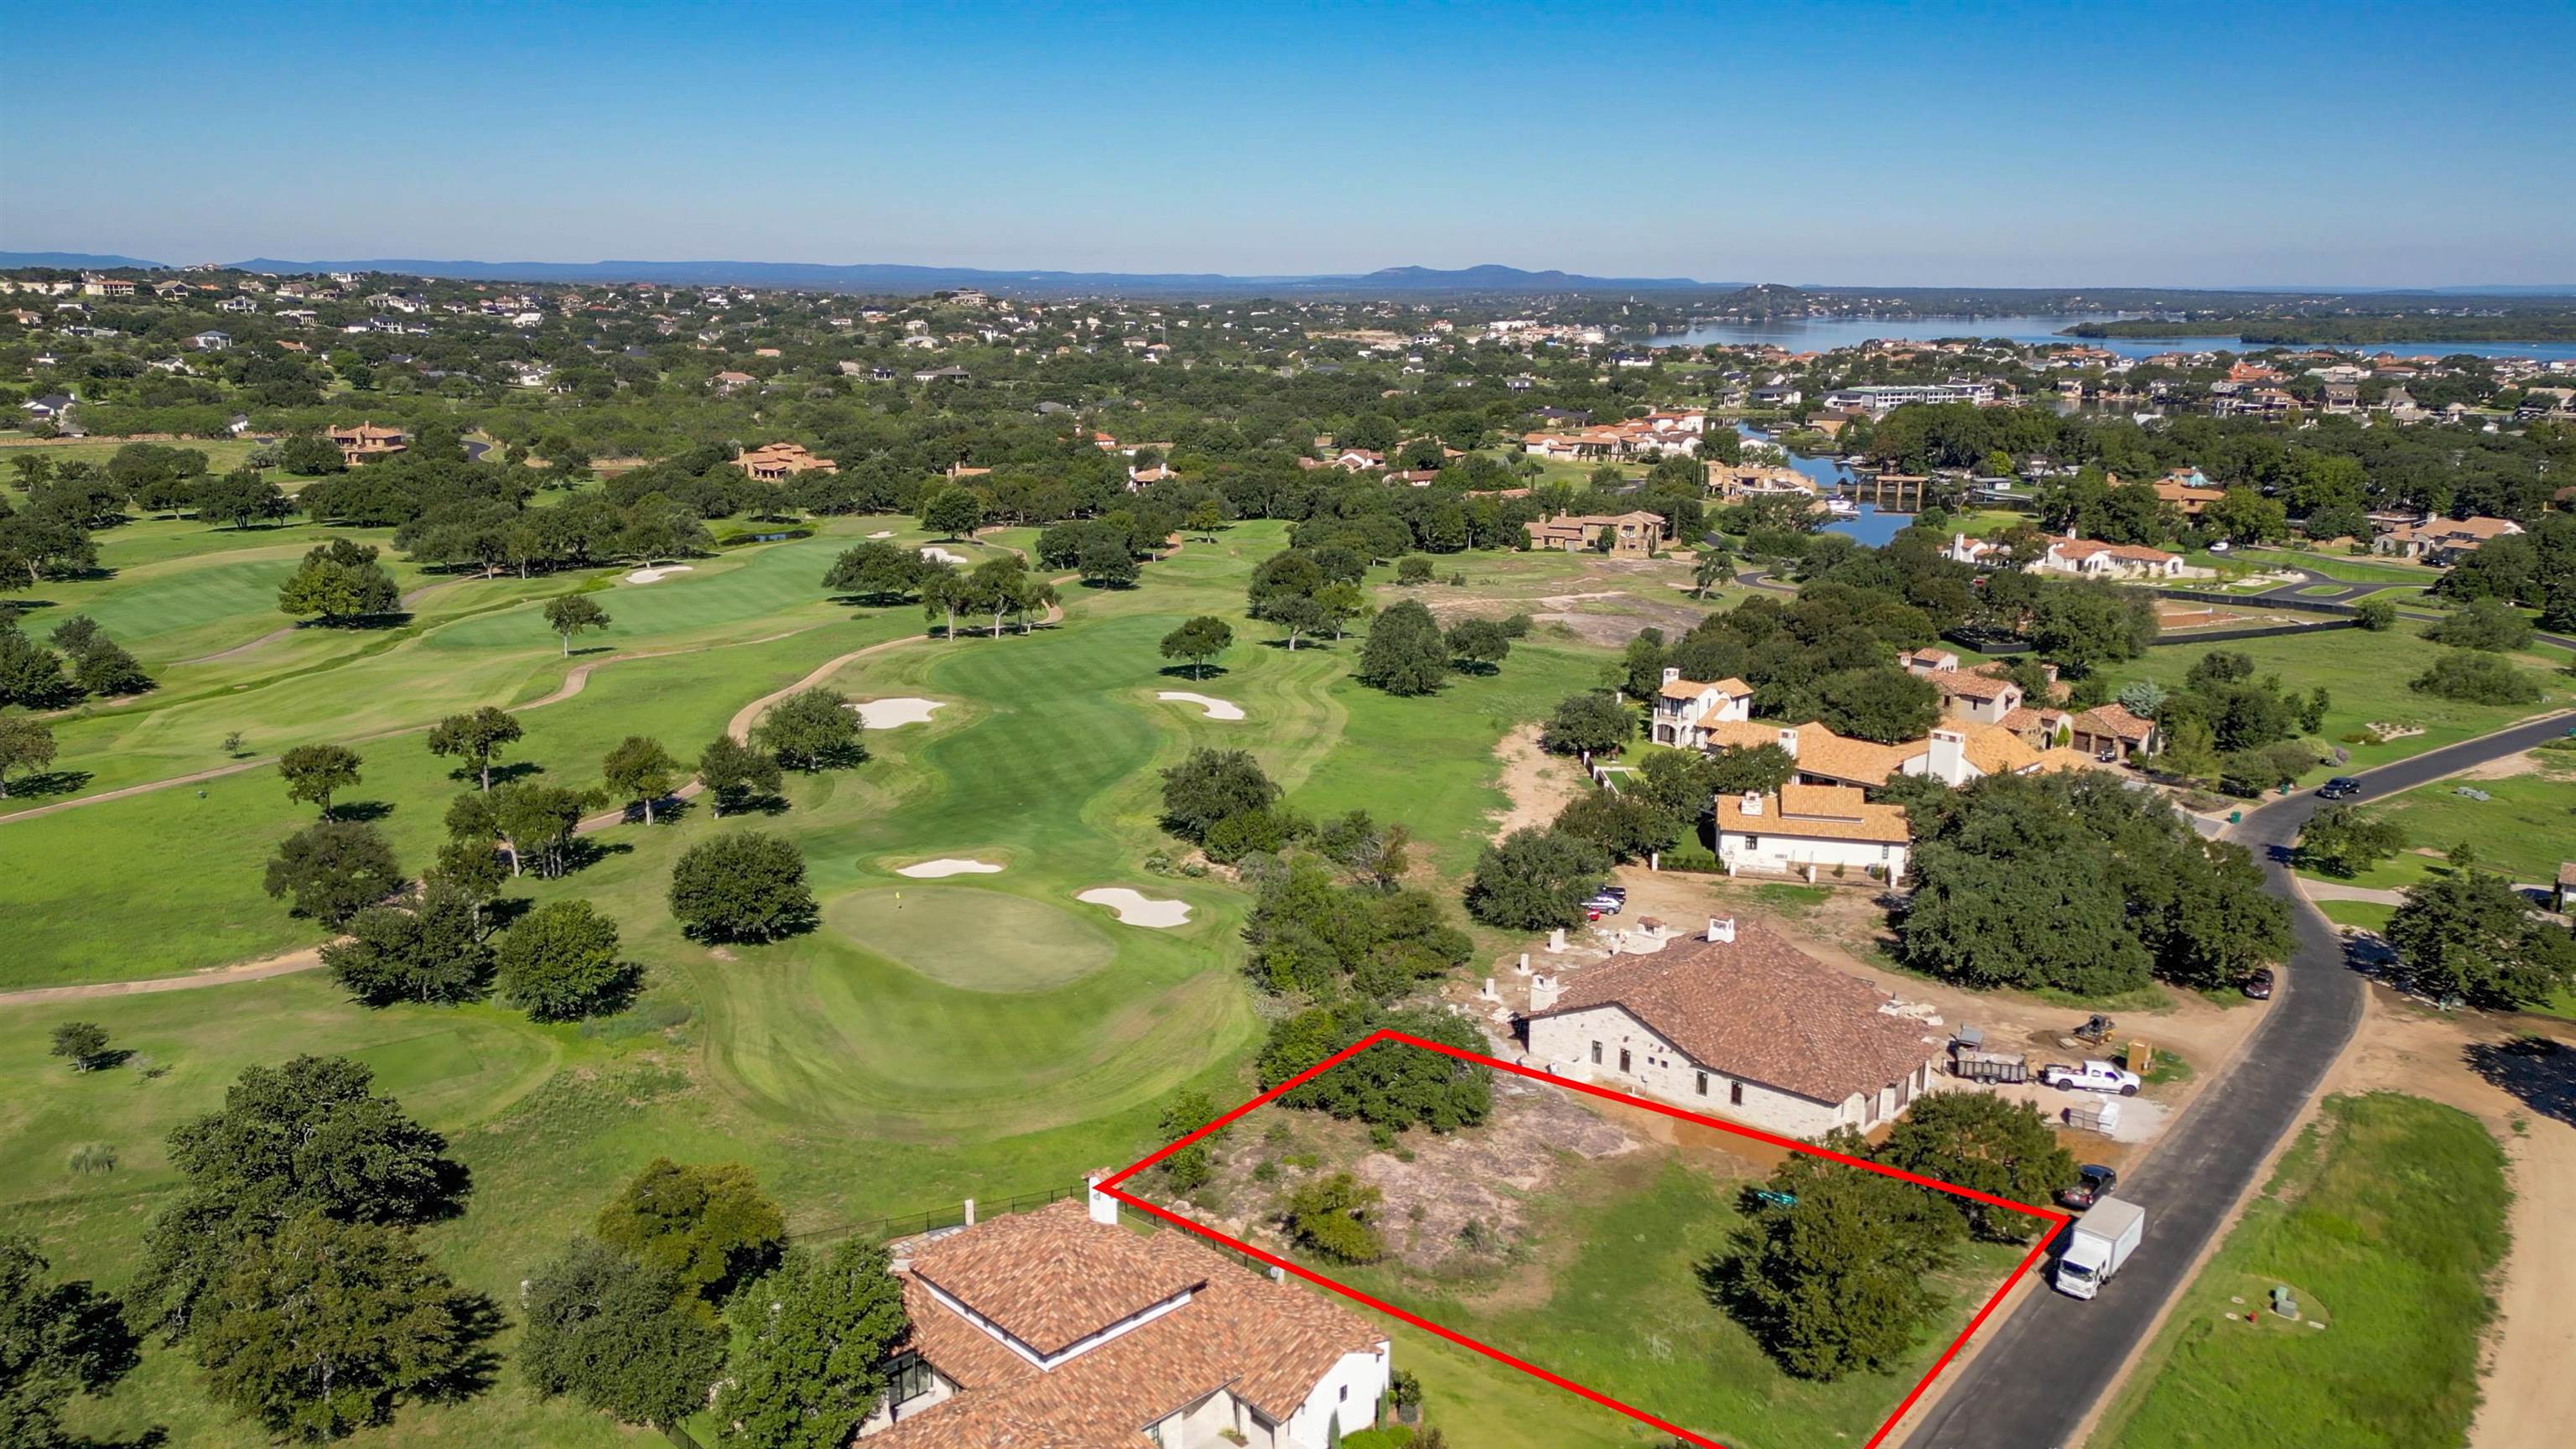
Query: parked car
point(2258, 983)
point(2093, 1182)
point(2341, 787)
point(2092, 1076)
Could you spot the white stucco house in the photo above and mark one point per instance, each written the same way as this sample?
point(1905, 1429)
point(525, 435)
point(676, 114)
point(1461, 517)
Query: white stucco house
point(1810, 830)
point(1738, 1024)
point(1062, 1329)
point(2092, 559)
point(1685, 708)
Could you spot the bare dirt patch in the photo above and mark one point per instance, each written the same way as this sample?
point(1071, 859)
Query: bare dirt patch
point(1453, 1205)
point(1539, 784)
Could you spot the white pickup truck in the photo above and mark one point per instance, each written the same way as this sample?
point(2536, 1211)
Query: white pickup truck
point(2093, 1076)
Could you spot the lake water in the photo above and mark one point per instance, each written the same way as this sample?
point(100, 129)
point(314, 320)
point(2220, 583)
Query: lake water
point(1827, 333)
point(1869, 525)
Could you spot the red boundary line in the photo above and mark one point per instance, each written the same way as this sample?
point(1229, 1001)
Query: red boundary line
point(2056, 1220)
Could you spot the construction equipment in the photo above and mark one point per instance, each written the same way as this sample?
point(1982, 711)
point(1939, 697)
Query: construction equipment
point(2096, 1030)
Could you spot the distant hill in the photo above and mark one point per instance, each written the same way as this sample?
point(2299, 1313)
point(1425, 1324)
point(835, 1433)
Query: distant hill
point(892, 278)
point(75, 260)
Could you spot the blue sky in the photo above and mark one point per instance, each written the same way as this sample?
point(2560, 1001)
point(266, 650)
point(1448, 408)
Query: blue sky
point(1996, 144)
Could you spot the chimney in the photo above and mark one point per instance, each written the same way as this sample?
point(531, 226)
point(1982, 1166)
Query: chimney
point(1671, 674)
point(1721, 930)
point(1104, 1208)
point(1543, 992)
point(1751, 804)
point(1789, 743)
point(1947, 758)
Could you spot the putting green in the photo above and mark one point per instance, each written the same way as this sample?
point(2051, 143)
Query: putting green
point(975, 940)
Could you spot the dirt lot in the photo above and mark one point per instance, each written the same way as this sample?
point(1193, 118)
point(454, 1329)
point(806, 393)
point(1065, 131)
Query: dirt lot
point(1451, 1203)
point(1605, 601)
point(1539, 783)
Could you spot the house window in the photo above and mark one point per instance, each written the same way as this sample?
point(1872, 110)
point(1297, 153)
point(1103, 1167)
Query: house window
point(1703, 1084)
point(910, 1379)
point(1735, 1094)
point(1623, 1059)
point(1346, 1393)
point(1596, 1054)
point(1753, 842)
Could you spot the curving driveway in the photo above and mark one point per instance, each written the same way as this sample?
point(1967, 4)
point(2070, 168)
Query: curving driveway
point(2034, 1383)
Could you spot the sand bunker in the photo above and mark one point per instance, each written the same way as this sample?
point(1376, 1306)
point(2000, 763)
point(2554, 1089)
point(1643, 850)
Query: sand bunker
point(948, 865)
point(886, 714)
point(882, 533)
point(1135, 909)
point(1216, 708)
point(655, 576)
point(939, 555)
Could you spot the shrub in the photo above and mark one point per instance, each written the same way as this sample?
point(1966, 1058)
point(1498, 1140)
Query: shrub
point(2476, 678)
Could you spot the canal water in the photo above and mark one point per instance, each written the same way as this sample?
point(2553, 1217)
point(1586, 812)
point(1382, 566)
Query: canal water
point(1823, 334)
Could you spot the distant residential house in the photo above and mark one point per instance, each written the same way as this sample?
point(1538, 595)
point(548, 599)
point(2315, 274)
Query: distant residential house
point(365, 442)
point(2110, 732)
point(1735, 482)
point(2092, 559)
point(1981, 552)
point(2443, 541)
point(1062, 1329)
point(730, 381)
point(1739, 1023)
point(1631, 535)
point(1685, 708)
point(771, 462)
point(950, 373)
point(1980, 697)
point(238, 304)
point(2188, 490)
point(53, 407)
point(107, 287)
point(211, 340)
point(1358, 460)
point(1806, 829)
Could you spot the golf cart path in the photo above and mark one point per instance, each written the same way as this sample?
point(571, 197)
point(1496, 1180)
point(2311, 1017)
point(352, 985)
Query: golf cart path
point(2047, 1364)
point(308, 958)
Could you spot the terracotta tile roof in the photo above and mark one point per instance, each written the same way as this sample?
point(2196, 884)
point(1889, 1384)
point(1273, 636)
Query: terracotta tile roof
point(1966, 685)
point(1268, 1343)
point(2567, 873)
point(1690, 688)
point(1761, 1009)
point(1994, 749)
point(2114, 720)
point(1048, 1288)
point(1816, 812)
point(1862, 762)
point(1745, 734)
point(2067, 757)
point(2023, 717)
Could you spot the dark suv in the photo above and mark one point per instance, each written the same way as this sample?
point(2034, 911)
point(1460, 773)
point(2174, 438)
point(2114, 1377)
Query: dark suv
point(2341, 787)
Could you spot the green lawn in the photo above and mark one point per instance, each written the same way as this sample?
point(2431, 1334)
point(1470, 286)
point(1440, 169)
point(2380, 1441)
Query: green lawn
point(991, 1036)
point(2345, 566)
point(2524, 830)
point(2365, 676)
point(1625, 1313)
point(2385, 1221)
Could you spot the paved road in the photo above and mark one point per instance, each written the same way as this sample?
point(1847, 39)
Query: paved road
point(2055, 1356)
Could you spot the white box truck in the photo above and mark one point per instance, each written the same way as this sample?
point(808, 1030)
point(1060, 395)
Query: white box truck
point(2097, 1244)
